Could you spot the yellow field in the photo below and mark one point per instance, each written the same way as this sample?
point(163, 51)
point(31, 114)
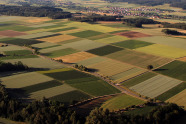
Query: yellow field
point(179, 99)
point(36, 20)
point(76, 57)
point(162, 50)
point(58, 38)
point(93, 27)
point(110, 67)
point(55, 70)
point(182, 59)
point(71, 31)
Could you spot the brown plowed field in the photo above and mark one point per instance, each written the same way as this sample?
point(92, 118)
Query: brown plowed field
point(132, 34)
point(11, 33)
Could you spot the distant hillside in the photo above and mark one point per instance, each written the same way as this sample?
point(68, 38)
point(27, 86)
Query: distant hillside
point(174, 3)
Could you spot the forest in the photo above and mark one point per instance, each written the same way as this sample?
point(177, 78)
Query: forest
point(173, 3)
point(174, 25)
point(54, 13)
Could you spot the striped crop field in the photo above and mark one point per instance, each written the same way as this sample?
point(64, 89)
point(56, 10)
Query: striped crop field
point(39, 63)
point(175, 69)
point(71, 31)
point(138, 58)
point(121, 102)
point(35, 35)
point(92, 61)
point(139, 79)
point(23, 80)
point(179, 99)
point(155, 86)
point(43, 25)
point(93, 27)
point(10, 48)
point(51, 92)
point(164, 51)
point(112, 39)
point(168, 41)
point(62, 52)
point(132, 44)
point(56, 39)
point(75, 57)
point(110, 67)
point(51, 49)
point(127, 74)
point(84, 45)
point(99, 37)
point(63, 29)
point(44, 45)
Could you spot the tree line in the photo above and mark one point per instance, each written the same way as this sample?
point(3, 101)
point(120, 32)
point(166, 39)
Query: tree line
point(17, 66)
point(172, 32)
point(174, 3)
point(51, 12)
point(175, 25)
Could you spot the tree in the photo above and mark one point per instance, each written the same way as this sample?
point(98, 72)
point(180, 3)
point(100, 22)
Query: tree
point(150, 67)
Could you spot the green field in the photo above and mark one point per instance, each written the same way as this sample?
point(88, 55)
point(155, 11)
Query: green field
point(99, 36)
point(36, 35)
point(101, 51)
point(85, 34)
point(112, 39)
point(138, 79)
point(120, 102)
point(155, 86)
point(61, 52)
point(172, 92)
point(138, 58)
point(63, 29)
point(132, 44)
point(175, 69)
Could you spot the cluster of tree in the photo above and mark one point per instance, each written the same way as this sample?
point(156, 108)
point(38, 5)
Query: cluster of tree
point(166, 114)
point(138, 22)
point(172, 32)
point(35, 49)
point(175, 25)
point(175, 3)
point(54, 13)
point(81, 67)
point(94, 18)
point(17, 66)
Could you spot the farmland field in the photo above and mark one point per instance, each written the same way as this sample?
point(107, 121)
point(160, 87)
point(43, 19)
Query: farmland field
point(138, 58)
point(138, 79)
point(91, 61)
point(101, 51)
point(162, 50)
point(36, 35)
point(155, 86)
point(120, 102)
point(132, 44)
point(75, 57)
point(112, 39)
point(44, 45)
point(179, 99)
point(175, 69)
point(10, 48)
point(87, 33)
point(51, 49)
point(132, 34)
point(10, 33)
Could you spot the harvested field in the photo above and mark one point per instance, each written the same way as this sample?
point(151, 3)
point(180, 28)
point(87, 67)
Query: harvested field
point(84, 45)
point(155, 86)
point(11, 33)
point(121, 102)
point(127, 74)
point(179, 99)
point(169, 41)
point(182, 59)
point(164, 51)
point(172, 92)
point(91, 61)
point(43, 45)
point(86, 33)
point(70, 41)
point(36, 35)
point(132, 44)
point(61, 52)
point(39, 63)
point(23, 80)
point(132, 34)
point(37, 20)
point(69, 97)
point(75, 57)
point(110, 67)
point(51, 92)
point(112, 39)
point(96, 88)
point(21, 42)
point(138, 79)
point(43, 25)
point(175, 69)
point(105, 50)
point(10, 48)
point(56, 39)
point(138, 58)
point(41, 86)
